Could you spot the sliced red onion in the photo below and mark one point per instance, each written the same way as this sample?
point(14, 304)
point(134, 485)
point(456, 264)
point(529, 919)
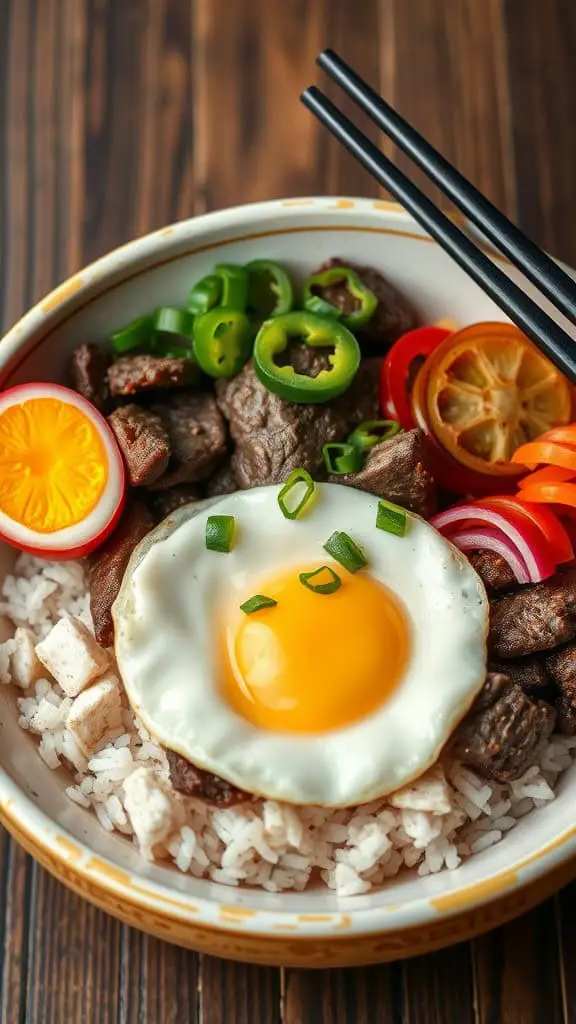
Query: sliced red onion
point(529, 543)
point(484, 539)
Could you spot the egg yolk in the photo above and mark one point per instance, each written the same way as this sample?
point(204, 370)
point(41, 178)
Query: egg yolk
point(315, 662)
point(53, 465)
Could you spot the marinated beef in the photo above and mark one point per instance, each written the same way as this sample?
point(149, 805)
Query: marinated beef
point(107, 566)
point(88, 373)
point(505, 731)
point(561, 666)
point(132, 374)
point(192, 781)
point(530, 674)
point(535, 618)
point(394, 314)
point(272, 437)
point(222, 482)
point(163, 503)
point(197, 433)
point(493, 570)
point(143, 441)
point(398, 471)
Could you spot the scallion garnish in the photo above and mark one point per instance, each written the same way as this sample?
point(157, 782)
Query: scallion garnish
point(342, 458)
point(298, 478)
point(328, 586)
point(391, 518)
point(346, 551)
point(220, 533)
point(137, 334)
point(254, 604)
point(372, 432)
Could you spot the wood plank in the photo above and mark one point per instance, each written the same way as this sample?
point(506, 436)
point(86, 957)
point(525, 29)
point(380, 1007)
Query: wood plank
point(369, 995)
point(438, 989)
point(15, 896)
point(159, 982)
point(238, 993)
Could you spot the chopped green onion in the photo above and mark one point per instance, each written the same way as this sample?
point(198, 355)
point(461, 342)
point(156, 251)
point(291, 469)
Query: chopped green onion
point(220, 533)
point(342, 458)
point(391, 518)
point(205, 294)
point(346, 551)
point(328, 587)
point(297, 478)
point(254, 604)
point(372, 432)
point(137, 334)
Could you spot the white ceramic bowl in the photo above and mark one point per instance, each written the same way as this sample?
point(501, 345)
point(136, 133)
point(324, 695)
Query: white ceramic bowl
point(410, 915)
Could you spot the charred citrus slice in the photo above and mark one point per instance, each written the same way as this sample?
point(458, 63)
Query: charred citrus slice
point(61, 472)
point(489, 390)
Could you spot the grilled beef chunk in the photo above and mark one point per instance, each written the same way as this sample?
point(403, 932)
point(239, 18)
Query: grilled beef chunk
point(272, 437)
point(397, 470)
point(143, 441)
point(107, 566)
point(132, 374)
point(394, 314)
point(493, 570)
point(222, 482)
point(530, 674)
point(561, 666)
point(197, 435)
point(192, 781)
point(535, 618)
point(88, 373)
point(505, 731)
point(163, 503)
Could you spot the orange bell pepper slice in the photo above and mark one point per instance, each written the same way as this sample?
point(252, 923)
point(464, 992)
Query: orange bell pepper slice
point(546, 475)
point(546, 453)
point(553, 494)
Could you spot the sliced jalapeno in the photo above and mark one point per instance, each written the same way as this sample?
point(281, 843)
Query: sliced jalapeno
point(365, 300)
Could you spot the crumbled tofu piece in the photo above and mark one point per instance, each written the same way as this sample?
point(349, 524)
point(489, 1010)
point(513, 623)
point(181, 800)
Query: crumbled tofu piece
point(95, 714)
point(72, 655)
point(429, 793)
point(25, 665)
point(150, 809)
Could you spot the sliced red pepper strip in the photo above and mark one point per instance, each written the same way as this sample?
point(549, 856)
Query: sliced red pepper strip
point(399, 370)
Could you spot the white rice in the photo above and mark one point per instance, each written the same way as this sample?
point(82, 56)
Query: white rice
point(266, 844)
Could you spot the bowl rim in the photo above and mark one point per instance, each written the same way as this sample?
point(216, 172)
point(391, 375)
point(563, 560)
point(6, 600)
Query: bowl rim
point(64, 854)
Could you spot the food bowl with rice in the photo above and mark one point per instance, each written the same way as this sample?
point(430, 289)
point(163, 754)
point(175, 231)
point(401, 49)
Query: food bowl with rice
point(288, 613)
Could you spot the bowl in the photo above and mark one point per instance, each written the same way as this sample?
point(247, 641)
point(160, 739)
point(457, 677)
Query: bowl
point(410, 915)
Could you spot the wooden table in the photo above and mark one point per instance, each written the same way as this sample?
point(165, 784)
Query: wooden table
point(118, 116)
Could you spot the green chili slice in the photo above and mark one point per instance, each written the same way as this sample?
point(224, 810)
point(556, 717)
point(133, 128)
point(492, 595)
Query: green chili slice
point(297, 478)
point(391, 518)
point(342, 458)
point(274, 337)
point(205, 294)
point(234, 281)
point(254, 604)
point(270, 291)
point(222, 341)
point(220, 533)
point(136, 335)
point(365, 300)
point(346, 551)
point(372, 432)
point(172, 332)
point(328, 587)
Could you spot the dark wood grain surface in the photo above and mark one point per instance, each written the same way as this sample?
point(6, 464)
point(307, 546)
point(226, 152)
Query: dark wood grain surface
point(117, 116)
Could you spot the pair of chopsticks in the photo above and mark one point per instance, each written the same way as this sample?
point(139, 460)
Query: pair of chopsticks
point(542, 271)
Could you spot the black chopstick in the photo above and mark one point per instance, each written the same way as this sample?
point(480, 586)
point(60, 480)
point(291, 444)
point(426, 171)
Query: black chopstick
point(538, 267)
point(546, 334)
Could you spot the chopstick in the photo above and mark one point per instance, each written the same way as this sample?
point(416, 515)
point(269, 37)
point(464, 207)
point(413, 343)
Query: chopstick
point(538, 267)
point(547, 335)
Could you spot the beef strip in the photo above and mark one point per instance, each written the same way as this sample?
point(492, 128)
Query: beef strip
point(561, 666)
point(197, 433)
point(106, 569)
point(132, 374)
point(530, 674)
point(163, 503)
point(505, 731)
point(88, 374)
point(535, 618)
point(394, 314)
point(192, 781)
point(272, 437)
point(493, 570)
point(143, 441)
point(397, 470)
point(222, 482)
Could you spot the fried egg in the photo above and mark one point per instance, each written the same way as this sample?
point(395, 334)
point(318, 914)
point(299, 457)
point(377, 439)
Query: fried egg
point(321, 698)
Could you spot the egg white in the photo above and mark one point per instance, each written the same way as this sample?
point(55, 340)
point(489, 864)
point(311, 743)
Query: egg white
point(165, 620)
